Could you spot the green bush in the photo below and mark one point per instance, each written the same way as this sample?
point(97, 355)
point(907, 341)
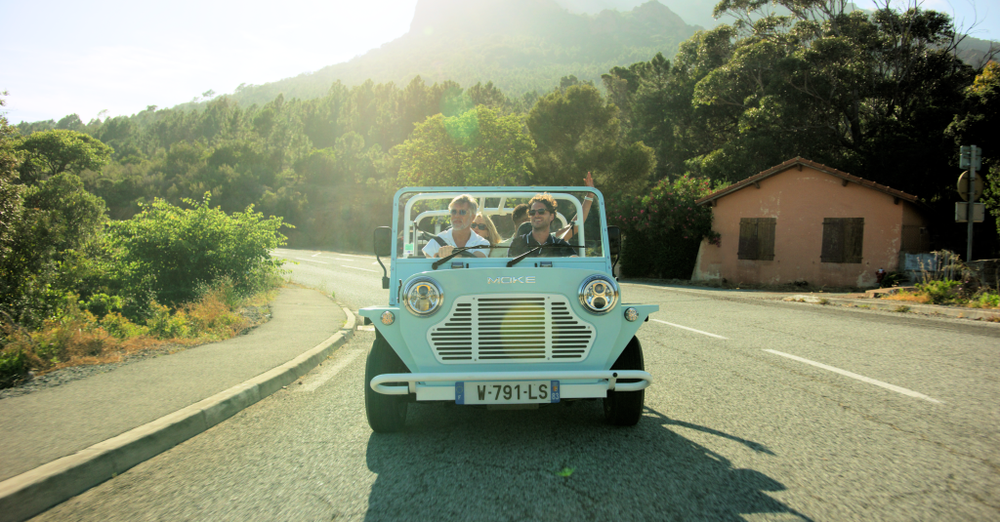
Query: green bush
point(939, 292)
point(13, 365)
point(121, 328)
point(989, 300)
point(163, 325)
point(170, 254)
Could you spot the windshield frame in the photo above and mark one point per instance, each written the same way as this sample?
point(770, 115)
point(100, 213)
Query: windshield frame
point(413, 195)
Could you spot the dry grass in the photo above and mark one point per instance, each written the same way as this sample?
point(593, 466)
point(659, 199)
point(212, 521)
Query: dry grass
point(78, 338)
point(908, 297)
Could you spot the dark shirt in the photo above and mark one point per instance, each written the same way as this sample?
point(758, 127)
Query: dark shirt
point(522, 244)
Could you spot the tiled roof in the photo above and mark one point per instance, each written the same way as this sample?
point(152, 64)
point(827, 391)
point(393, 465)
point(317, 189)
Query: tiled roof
point(797, 161)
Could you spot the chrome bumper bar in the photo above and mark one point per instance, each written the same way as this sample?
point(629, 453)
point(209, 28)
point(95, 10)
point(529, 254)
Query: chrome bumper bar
point(440, 386)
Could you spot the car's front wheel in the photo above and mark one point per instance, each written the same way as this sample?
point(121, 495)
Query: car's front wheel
point(386, 413)
point(625, 408)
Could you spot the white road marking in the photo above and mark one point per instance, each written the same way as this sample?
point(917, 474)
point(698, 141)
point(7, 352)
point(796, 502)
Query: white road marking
point(359, 268)
point(310, 260)
point(330, 372)
point(316, 254)
point(691, 329)
point(861, 378)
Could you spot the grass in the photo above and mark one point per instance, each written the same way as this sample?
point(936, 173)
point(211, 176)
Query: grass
point(76, 337)
point(902, 309)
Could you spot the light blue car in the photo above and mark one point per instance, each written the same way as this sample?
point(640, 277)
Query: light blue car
point(532, 320)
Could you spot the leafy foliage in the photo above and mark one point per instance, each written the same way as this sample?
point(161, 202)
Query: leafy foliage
point(479, 147)
point(167, 253)
point(663, 229)
point(52, 152)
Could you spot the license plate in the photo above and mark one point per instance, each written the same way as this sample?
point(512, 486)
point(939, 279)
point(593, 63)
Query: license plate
point(507, 392)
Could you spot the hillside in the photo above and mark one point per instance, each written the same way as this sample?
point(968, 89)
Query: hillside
point(519, 45)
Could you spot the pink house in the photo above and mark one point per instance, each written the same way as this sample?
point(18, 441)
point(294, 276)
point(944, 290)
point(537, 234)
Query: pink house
point(803, 221)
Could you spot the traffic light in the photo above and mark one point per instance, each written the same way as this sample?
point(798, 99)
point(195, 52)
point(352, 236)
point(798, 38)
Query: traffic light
point(964, 158)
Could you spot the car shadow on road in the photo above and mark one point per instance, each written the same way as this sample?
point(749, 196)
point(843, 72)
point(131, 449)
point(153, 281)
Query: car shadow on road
point(558, 463)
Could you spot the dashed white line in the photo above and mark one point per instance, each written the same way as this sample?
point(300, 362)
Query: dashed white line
point(330, 372)
point(691, 329)
point(310, 260)
point(359, 268)
point(861, 378)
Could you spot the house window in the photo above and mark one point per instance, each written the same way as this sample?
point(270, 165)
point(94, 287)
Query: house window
point(757, 239)
point(842, 239)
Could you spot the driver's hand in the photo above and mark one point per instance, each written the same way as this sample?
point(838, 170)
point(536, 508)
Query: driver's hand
point(446, 251)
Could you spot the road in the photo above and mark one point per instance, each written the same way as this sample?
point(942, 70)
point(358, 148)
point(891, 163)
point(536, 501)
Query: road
point(760, 410)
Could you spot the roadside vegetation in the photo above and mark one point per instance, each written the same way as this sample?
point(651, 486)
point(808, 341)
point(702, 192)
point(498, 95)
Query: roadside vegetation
point(78, 288)
point(952, 283)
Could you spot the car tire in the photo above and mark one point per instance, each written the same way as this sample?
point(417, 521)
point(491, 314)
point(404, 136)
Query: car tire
point(625, 408)
point(386, 413)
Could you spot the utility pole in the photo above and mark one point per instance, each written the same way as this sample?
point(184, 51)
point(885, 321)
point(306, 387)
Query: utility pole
point(971, 158)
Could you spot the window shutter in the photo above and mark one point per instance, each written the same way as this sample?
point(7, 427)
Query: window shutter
point(854, 235)
point(765, 233)
point(748, 239)
point(843, 239)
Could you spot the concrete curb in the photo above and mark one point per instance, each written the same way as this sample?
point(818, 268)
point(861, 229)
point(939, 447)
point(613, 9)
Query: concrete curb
point(976, 314)
point(34, 491)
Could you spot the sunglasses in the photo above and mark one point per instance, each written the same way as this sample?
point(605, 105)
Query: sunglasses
point(540, 212)
point(459, 211)
point(480, 226)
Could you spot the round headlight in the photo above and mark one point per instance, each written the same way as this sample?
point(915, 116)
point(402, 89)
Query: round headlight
point(423, 296)
point(598, 294)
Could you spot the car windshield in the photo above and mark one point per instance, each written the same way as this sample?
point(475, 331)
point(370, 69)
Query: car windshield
point(426, 218)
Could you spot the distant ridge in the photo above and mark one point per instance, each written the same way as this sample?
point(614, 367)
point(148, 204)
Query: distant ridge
point(518, 45)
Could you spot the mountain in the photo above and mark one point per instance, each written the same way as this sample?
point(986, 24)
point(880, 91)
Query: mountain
point(519, 45)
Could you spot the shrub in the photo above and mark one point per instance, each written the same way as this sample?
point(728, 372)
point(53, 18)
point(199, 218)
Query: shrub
point(989, 300)
point(170, 253)
point(13, 365)
point(162, 325)
point(121, 328)
point(939, 292)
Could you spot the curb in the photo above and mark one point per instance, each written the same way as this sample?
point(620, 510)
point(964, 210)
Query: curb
point(34, 491)
point(902, 307)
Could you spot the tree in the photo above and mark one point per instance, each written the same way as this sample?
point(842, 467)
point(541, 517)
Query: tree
point(978, 125)
point(578, 132)
point(479, 147)
point(10, 192)
point(870, 94)
point(48, 153)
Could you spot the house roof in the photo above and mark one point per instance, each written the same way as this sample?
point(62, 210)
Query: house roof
point(800, 162)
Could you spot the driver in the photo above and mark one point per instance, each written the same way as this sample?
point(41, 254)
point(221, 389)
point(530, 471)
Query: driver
point(463, 211)
point(542, 210)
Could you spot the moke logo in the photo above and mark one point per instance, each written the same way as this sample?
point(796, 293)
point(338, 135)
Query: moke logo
point(509, 280)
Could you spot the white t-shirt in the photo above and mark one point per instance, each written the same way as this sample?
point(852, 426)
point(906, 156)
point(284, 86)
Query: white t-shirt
point(432, 247)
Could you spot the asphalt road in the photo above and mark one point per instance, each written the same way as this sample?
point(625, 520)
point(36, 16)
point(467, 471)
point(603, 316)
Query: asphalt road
point(760, 410)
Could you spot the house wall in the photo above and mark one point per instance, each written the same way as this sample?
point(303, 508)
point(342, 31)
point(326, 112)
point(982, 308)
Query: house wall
point(800, 200)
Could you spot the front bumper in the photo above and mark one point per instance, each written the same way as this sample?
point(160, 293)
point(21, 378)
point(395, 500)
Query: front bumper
point(573, 384)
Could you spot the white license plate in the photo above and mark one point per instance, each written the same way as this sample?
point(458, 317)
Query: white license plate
point(507, 392)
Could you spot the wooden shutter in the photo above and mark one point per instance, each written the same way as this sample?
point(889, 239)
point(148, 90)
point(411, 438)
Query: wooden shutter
point(854, 235)
point(748, 239)
point(757, 239)
point(765, 235)
point(842, 240)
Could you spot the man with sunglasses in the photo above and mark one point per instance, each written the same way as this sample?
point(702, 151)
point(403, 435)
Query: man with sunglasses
point(541, 211)
point(463, 211)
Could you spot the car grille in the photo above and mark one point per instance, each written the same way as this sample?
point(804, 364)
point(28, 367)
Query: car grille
point(524, 328)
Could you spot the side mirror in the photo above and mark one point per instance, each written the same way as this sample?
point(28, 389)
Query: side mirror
point(383, 241)
point(614, 240)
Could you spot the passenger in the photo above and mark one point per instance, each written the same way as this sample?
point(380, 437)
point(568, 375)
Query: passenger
point(463, 210)
point(484, 227)
point(519, 216)
point(541, 211)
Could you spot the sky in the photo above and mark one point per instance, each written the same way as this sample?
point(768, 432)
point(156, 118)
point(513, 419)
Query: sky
point(60, 57)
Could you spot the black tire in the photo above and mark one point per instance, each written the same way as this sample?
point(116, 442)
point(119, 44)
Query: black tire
point(386, 413)
point(625, 408)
